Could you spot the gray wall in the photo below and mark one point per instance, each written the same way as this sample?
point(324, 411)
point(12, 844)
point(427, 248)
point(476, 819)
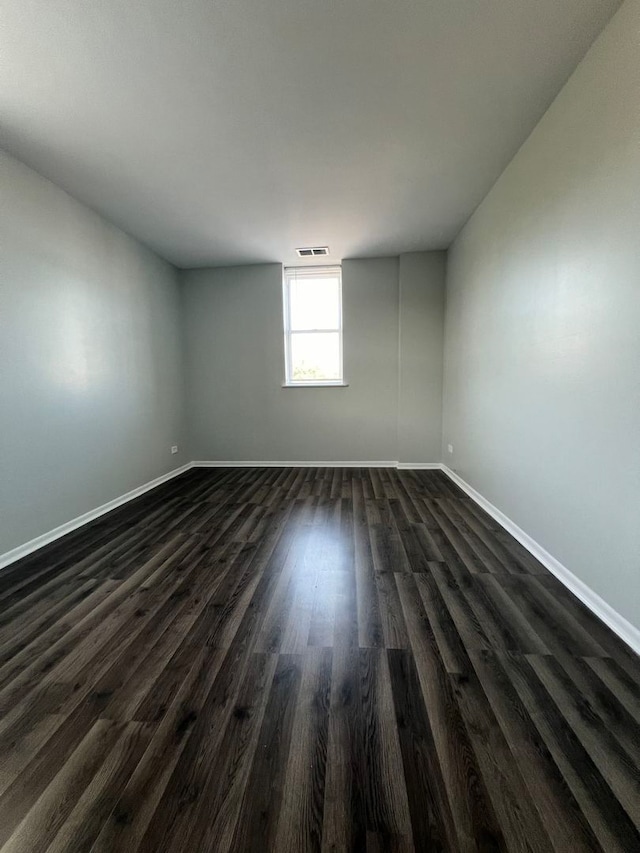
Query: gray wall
point(542, 359)
point(421, 278)
point(90, 395)
point(238, 409)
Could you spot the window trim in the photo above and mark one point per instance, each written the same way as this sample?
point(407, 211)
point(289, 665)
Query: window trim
point(291, 274)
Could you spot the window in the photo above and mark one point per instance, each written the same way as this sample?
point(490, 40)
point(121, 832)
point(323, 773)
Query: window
point(313, 326)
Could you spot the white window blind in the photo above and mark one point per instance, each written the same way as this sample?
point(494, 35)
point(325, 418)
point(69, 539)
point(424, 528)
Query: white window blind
point(312, 300)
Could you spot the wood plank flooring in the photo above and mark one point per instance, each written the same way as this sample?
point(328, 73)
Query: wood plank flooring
point(308, 660)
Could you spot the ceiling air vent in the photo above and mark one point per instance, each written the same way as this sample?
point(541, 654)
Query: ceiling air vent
point(312, 251)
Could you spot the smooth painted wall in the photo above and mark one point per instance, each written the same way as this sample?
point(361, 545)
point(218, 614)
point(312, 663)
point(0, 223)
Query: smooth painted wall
point(421, 324)
point(90, 359)
point(542, 355)
point(238, 409)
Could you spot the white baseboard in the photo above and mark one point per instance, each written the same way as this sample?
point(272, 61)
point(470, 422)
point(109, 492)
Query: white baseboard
point(270, 464)
point(29, 547)
point(618, 624)
point(33, 545)
point(419, 466)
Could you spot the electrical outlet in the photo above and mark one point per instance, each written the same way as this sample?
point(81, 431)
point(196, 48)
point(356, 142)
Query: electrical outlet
point(450, 448)
point(174, 449)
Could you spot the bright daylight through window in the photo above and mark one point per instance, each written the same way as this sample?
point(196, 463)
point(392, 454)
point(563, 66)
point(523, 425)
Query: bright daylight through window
point(313, 325)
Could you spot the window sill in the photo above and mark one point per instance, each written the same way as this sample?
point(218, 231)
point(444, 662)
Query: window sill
point(315, 384)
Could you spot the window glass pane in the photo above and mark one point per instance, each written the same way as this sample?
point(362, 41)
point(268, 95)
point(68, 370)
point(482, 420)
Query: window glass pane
point(315, 357)
point(314, 303)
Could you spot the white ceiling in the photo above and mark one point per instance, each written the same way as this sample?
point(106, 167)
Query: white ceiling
point(232, 131)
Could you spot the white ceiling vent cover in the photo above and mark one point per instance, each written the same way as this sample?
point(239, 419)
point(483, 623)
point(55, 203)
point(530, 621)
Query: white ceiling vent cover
point(312, 251)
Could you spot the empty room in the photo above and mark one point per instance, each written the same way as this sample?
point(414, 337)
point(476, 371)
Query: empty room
point(319, 426)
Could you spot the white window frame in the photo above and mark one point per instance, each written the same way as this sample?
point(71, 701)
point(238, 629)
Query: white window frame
point(291, 274)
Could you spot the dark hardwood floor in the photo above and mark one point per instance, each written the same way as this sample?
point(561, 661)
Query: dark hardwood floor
point(309, 659)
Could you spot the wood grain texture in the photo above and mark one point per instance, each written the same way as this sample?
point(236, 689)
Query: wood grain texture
point(308, 660)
